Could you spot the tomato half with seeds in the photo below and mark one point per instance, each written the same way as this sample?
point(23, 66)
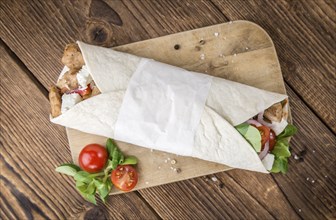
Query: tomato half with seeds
point(125, 177)
point(93, 158)
point(265, 134)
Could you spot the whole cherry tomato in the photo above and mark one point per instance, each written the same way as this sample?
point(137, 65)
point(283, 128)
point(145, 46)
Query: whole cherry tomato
point(93, 158)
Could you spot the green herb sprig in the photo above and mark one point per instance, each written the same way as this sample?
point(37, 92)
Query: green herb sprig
point(89, 184)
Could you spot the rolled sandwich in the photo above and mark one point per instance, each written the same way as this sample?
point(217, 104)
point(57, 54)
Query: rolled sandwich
point(155, 105)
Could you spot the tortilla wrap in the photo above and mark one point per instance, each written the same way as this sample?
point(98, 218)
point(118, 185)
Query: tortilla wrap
point(215, 139)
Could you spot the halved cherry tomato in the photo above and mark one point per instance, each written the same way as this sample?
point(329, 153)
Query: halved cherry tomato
point(265, 134)
point(272, 140)
point(84, 92)
point(93, 158)
point(125, 177)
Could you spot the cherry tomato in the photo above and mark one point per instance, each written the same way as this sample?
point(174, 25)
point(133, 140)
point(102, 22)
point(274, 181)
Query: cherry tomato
point(93, 158)
point(125, 177)
point(272, 140)
point(265, 134)
point(84, 92)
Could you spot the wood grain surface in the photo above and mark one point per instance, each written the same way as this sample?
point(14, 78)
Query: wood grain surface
point(35, 32)
point(32, 148)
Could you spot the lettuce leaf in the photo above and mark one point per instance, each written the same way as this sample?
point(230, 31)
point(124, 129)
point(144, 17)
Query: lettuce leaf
point(280, 165)
point(289, 131)
point(281, 150)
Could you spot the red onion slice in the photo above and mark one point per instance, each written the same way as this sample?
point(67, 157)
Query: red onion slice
point(76, 90)
point(262, 121)
point(253, 122)
point(264, 152)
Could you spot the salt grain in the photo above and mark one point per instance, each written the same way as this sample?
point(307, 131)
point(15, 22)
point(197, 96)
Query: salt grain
point(326, 176)
point(177, 170)
point(146, 183)
point(172, 168)
point(214, 178)
point(313, 181)
point(230, 22)
point(168, 158)
point(202, 56)
point(313, 151)
point(246, 48)
point(235, 54)
point(216, 34)
point(166, 161)
point(173, 161)
point(300, 210)
point(296, 157)
point(307, 178)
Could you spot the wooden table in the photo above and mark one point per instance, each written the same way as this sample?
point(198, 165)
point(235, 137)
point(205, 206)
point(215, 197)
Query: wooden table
point(33, 34)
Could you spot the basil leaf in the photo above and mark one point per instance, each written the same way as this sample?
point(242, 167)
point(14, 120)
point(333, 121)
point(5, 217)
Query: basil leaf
point(109, 184)
point(68, 169)
point(110, 146)
point(290, 130)
point(281, 148)
point(89, 197)
point(115, 158)
point(102, 188)
point(121, 159)
point(130, 160)
point(81, 186)
point(109, 166)
point(91, 189)
point(83, 176)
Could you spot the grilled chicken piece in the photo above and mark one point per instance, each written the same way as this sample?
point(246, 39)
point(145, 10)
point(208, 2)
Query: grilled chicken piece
point(68, 81)
point(55, 101)
point(95, 91)
point(274, 113)
point(72, 56)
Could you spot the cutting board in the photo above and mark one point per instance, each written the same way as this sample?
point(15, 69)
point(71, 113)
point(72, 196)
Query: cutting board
point(240, 51)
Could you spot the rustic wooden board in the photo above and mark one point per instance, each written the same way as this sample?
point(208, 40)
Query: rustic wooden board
point(240, 51)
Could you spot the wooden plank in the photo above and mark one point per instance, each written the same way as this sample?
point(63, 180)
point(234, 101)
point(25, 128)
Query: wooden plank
point(225, 55)
point(56, 23)
point(141, 25)
point(221, 197)
point(31, 148)
point(303, 33)
point(37, 31)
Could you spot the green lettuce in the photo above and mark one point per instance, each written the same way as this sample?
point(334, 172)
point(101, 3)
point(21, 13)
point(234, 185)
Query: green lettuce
point(281, 150)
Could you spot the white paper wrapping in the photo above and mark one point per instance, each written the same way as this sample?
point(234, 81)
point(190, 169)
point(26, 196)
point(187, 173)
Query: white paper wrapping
point(162, 107)
point(215, 139)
